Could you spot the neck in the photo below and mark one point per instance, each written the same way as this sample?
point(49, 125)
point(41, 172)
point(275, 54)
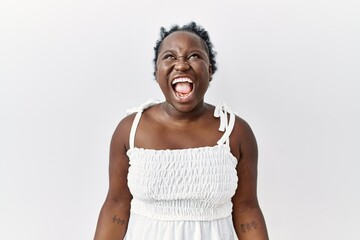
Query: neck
point(175, 114)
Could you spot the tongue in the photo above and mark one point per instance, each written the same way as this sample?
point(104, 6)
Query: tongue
point(183, 87)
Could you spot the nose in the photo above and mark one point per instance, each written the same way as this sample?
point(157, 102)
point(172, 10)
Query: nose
point(181, 64)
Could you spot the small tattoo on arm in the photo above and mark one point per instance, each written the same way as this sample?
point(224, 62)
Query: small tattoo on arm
point(247, 227)
point(118, 220)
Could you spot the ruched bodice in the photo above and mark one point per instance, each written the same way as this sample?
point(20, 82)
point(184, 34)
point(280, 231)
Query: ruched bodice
point(182, 193)
point(185, 184)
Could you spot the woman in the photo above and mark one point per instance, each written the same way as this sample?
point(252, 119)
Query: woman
point(182, 169)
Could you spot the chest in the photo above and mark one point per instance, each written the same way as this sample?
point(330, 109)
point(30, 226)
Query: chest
point(152, 135)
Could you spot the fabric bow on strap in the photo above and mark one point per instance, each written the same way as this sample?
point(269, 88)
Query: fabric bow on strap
point(143, 106)
point(221, 111)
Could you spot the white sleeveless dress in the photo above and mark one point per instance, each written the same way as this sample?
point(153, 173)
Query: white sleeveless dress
point(182, 194)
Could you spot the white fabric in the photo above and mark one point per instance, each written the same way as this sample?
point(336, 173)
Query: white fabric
point(222, 110)
point(182, 194)
point(142, 228)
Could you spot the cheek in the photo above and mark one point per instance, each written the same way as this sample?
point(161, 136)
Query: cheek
point(159, 73)
point(204, 70)
point(161, 69)
point(201, 66)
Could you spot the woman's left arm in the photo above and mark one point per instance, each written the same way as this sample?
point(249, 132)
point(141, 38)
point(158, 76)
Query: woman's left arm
point(248, 219)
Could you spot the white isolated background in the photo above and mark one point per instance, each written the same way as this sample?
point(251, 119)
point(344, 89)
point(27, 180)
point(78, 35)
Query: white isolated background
point(70, 69)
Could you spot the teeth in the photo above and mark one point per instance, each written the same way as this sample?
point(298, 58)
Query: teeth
point(177, 80)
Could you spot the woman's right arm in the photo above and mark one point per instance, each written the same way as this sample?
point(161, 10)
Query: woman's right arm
point(114, 215)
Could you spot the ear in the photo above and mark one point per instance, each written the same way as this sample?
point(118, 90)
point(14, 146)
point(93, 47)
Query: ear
point(210, 73)
point(155, 75)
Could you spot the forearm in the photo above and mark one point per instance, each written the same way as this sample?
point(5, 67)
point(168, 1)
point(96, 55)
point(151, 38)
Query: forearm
point(113, 221)
point(249, 223)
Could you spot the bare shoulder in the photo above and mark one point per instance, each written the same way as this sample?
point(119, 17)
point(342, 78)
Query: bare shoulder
point(242, 138)
point(241, 126)
point(121, 134)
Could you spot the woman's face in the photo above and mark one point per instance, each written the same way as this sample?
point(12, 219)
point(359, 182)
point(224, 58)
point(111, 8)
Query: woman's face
point(183, 70)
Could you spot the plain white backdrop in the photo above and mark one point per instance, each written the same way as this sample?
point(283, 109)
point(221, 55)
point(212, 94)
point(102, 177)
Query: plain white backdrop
point(69, 69)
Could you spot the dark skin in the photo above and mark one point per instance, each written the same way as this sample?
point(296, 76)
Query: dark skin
point(182, 54)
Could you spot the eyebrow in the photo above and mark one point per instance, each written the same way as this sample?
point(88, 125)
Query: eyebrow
point(192, 50)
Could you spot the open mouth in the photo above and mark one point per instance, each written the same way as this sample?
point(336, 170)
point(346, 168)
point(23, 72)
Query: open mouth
point(183, 87)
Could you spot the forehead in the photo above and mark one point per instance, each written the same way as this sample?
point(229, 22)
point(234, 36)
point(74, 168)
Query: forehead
point(182, 40)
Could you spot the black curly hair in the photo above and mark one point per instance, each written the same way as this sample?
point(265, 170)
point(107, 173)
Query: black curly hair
point(193, 28)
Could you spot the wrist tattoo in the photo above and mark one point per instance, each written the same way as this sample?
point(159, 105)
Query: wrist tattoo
point(247, 227)
point(118, 220)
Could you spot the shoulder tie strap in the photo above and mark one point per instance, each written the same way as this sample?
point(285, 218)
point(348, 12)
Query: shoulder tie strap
point(136, 121)
point(221, 111)
point(142, 107)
